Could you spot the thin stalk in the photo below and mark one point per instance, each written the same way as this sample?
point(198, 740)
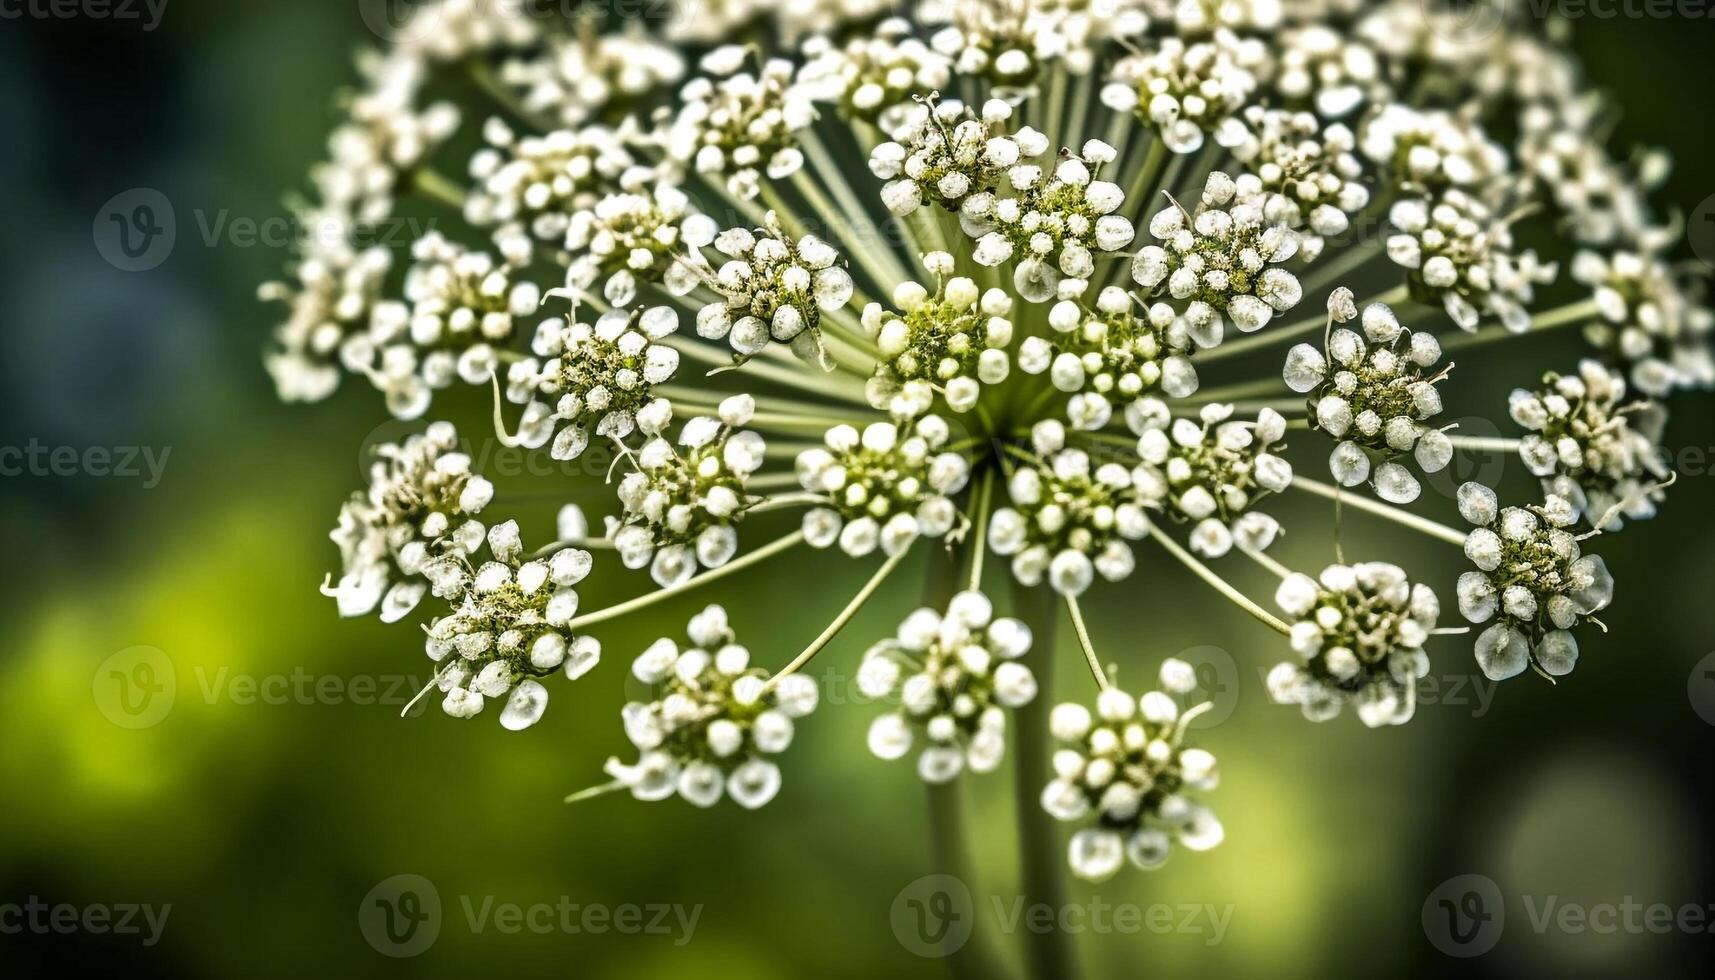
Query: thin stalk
point(984, 497)
point(1438, 531)
point(739, 564)
point(1084, 641)
point(840, 621)
point(1280, 571)
point(438, 186)
point(1571, 314)
point(1220, 584)
point(1485, 444)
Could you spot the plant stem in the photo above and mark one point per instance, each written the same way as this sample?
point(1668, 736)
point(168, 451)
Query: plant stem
point(1438, 531)
point(841, 620)
point(1084, 641)
point(1220, 584)
point(736, 565)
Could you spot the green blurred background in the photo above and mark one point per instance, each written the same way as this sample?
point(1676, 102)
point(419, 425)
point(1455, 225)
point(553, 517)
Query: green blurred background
point(266, 825)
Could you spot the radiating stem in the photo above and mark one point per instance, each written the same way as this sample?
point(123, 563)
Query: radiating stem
point(1571, 314)
point(439, 186)
point(841, 620)
point(984, 497)
point(1392, 513)
point(1220, 584)
point(712, 575)
point(1485, 444)
point(1084, 641)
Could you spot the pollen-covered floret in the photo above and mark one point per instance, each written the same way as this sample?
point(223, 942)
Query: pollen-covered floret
point(634, 238)
point(1460, 253)
point(882, 487)
point(1307, 174)
point(1374, 394)
point(773, 290)
point(576, 78)
point(1070, 519)
point(592, 380)
point(1358, 632)
point(714, 723)
point(1211, 471)
point(877, 76)
point(1652, 318)
point(1115, 352)
point(536, 183)
point(1225, 262)
point(1128, 769)
point(1591, 446)
point(739, 124)
point(510, 626)
point(682, 506)
point(1332, 73)
point(954, 676)
point(1426, 152)
point(953, 340)
point(1533, 575)
point(947, 155)
point(1186, 90)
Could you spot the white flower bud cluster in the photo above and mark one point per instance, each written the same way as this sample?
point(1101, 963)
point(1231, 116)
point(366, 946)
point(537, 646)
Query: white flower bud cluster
point(458, 305)
point(1358, 632)
point(827, 18)
point(334, 291)
point(875, 76)
point(714, 21)
point(1187, 90)
point(1653, 320)
point(773, 290)
point(1225, 261)
point(1425, 152)
point(947, 155)
point(536, 183)
point(1584, 445)
point(1052, 224)
point(450, 30)
point(385, 134)
point(573, 79)
point(1534, 576)
point(1128, 768)
point(592, 380)
point(714, 724)
point(1460, 253)
point(953, 340)
point(1211, 471)
point(1117, 351)
point(1332, 73)
point(1001, 41)
point(741, 124)
point(508, 628)
point(682, 507)
point(1374, 395)
point(421, 503)
point(1307, 173)
point(634, 237)
point(1605, 202)
point(1070, 518)
point(955, 676)
point(883, 488)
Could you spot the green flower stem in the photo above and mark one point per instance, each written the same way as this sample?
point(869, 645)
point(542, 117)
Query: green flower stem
point(1220, 584)
point(1084, 642)
point(1041, 852)
point(1398, 515)
point(1572, 314)
point(739, 564)
point(889, 271)
point(840, 621)
point(438, 186)
point(982, 498)
point(1483, 444)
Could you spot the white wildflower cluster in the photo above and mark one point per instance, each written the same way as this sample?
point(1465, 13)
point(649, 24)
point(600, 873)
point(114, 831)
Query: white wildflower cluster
point(421, 503)
point(1070, 517)
point(575, 79)
point(332, 295)
point(1331, 72)
point(773, 290)
point(1128, 768)
point(1187, 90)
point(510, 627)
point(528, 187)
point(1652, 319)
point(385, 136)
point(1308, 172)
point(882, 487)
point(450, 30)
point(1225, 262)
point(948, 155)
point(1051, 224)
point(739, 124)
point(1590, 445)
point(875, 77)
point(954, 676)
point(1002, 42)
point(1430, 151)
point(1211, 471)
point(682, 505)
point(1461, 254)
point(1117, 351)
point(714, 725)
point(592, 379)
point(1358, 631)
point(1532, 574)
point(636, 237)
point(953, 341)
point(1374, 393)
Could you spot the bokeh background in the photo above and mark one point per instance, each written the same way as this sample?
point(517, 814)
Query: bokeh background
point(266, 825)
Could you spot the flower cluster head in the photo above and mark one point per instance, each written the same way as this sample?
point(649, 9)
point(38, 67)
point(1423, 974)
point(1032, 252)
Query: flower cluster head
point(1187, 90)
point(1585, 446)
point(741, 124)
point(682, 506)
point(1533, 575)
point(1358, 632)
point(592, 379)
point(953, 340)
point(1461, 254)
point(1211, 470)
point(636, 237)
point(715, 722)
point(1430, 151)
point(1332, 73)
point(511, 625)
point(421, 504)
point(1308, 174)
point(954, 675)
point(1117, 351)
point(1226, 261)
point(576, 78)
point(1374, 393)
point(882, 487)
point(1129, 769)
point(1651, 318)
point(1051, 223)
point(948, 155)
point(875, 77)
point(533, 184)
point(773, 289)
point(1070, 519)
